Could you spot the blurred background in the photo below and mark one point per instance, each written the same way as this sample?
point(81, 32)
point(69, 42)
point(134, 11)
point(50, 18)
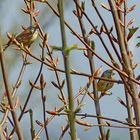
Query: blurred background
point(12, 18)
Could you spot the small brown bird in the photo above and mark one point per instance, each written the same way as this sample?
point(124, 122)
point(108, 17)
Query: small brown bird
point(28, 36)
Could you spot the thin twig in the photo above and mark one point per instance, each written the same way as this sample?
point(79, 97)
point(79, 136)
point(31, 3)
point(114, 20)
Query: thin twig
point(9, 96)
point(43, 98)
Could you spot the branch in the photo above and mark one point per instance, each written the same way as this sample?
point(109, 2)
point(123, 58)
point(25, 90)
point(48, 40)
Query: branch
point(9, 96)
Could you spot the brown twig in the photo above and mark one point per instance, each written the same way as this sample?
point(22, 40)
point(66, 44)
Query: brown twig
point(9, 96)
point(43, 98)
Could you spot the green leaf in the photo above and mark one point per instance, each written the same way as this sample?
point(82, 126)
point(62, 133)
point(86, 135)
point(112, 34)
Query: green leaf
point(138, 45)
point(108, 134)
point(92, 44)
point(131, 32)
point(83, 5)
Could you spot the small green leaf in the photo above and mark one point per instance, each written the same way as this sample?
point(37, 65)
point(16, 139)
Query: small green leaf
point(131, 32)
point(83, 5)
point(138, 45)
point(138, 77)
point(92, 44)
point(108, 134)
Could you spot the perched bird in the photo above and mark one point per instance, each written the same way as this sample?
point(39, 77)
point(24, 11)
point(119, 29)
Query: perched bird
point(28, 36)
point(104, 86)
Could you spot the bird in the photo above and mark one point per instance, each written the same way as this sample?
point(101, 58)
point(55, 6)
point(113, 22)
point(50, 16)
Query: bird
point(28, 36)
point(104, 86)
